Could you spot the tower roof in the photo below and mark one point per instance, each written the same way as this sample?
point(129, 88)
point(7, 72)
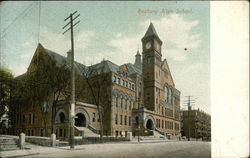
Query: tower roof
point(151, 32)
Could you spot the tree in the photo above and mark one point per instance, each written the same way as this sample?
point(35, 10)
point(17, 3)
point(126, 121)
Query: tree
point(45, 85)
point(97, 81)
point(6, 82)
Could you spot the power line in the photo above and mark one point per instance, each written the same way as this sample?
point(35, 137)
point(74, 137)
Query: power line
point(39, 21)
point(17, 17)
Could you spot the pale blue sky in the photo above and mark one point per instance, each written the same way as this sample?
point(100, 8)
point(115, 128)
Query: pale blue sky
point(113, 30)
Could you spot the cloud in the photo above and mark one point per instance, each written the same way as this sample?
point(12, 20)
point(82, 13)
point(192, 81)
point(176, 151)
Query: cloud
point(174, 31)
point(61, 43)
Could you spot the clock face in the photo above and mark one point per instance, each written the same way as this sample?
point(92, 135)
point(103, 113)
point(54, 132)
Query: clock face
point(148, 45)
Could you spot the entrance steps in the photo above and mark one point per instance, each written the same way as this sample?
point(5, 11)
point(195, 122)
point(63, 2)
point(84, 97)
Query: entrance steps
point(7, 144)
point(86, 131)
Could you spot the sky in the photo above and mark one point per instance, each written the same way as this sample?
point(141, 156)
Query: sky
point(113, 31)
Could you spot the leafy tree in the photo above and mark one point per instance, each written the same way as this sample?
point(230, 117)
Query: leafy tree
point(47, 85)
point(6, 82)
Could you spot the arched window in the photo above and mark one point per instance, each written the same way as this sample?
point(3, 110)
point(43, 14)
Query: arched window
point(170, 96)
point(166, 93)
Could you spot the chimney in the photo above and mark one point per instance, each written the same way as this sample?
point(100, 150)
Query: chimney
point(69, 54)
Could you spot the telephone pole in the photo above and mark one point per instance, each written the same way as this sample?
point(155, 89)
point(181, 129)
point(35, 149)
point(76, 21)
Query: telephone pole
point(189, 102)
point(72, 107)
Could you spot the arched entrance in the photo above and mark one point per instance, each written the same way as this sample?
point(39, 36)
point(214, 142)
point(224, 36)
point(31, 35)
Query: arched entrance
point(150, 124)
point(80, 120)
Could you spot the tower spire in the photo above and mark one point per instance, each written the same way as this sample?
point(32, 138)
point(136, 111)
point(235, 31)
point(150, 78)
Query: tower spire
point(151, 32)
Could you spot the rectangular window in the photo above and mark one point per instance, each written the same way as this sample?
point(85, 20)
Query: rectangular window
point(121, 102)
point(162, 124)
point(119, 81)
point(120, 119)
point(114, 79)
point(125, 120)
point(116, 101)
point(129, 121)
point(60, 132)
point(64, 133)
point(116, 119)
point(33, 118)
point(126, 104)
point(93, 120)
point(32, 132)
point(29, 118)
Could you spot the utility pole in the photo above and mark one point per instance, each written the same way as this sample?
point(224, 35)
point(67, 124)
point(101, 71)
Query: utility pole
point(72, 107)
point(189, 110)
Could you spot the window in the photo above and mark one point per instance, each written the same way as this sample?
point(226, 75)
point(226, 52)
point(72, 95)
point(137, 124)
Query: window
point(120, 119)
point(114, 79)
point(119, 81)
point(60, 132)
point(129, 120)
point(123, 82)
point(116, 119)
point(137, 120)
point(133, 86)
point(32, 132)
point(162, 110)
point(130, 85)
point(116, 101)
point(31, 118)
point(170, 96)
point(42, 132)
point(126, 83)
point(126, 104)
point(93, 117)
point(125, 120)
point(121, 102)
point(162, 124)
point(62, 117)
point(64, 133)
point(130, 104)
point(166, 93)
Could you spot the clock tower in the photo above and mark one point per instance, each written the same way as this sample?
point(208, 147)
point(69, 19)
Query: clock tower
point(151, 44)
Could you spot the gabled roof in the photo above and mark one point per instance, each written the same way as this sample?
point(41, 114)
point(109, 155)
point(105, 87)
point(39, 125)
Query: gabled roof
point(151, 32)
point(167, 67)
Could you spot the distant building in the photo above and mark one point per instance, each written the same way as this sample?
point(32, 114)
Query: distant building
point(196, 124)
point(140, 98)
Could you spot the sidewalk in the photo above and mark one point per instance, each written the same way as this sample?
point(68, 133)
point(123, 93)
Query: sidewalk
point(33, 150)
point(37, 150)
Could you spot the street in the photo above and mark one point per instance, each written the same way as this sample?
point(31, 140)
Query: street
point(177, 149)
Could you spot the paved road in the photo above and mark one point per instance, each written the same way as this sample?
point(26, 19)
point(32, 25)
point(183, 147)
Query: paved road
point(176, 149)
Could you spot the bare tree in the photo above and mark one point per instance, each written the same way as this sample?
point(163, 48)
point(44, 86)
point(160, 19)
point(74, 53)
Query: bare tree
point(97, 81)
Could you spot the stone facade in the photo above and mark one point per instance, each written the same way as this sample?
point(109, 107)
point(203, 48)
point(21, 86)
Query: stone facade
point(197, 124)
point(140, 98)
